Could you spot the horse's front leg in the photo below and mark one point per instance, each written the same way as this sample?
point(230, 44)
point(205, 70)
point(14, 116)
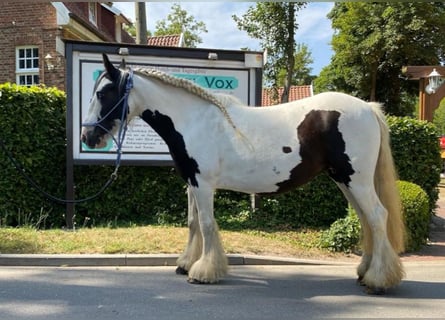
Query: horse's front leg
point(193, 249)
point(212, 264)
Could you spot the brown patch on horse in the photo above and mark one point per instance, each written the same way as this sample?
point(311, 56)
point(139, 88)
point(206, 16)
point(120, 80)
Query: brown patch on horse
point(321, 148)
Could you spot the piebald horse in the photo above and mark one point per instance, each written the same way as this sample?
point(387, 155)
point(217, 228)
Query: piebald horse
point(218, 143)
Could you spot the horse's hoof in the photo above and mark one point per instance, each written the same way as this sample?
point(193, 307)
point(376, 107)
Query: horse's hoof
point(195, 281)
point(181, 271)
point(375, 291)
point(360, 281)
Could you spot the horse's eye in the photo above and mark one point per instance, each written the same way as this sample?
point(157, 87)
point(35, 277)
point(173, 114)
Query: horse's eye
point(100, 95)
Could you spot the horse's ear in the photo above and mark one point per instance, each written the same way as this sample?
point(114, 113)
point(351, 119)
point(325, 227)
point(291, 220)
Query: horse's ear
point(123, 65)
point(111, 70)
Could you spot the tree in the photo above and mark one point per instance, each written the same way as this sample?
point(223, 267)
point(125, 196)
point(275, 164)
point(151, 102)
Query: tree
point(374, 40)
point(177, 22)
point(274, 24)
point(301, 72)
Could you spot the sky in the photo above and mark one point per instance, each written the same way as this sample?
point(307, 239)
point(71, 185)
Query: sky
point(314, 27)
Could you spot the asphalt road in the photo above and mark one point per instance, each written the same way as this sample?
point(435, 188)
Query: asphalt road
point(248, 292)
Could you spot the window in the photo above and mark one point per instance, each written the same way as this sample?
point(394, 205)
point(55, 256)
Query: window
point(92, 13)
point(27, 65)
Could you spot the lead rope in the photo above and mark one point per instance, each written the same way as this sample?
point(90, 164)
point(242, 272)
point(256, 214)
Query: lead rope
point(119, 142)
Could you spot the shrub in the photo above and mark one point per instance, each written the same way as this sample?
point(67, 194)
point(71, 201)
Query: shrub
point(416, 154)
point(140, 195)
point(316, 204)
point(344, 234)
point(416, 214)
point(33, 130)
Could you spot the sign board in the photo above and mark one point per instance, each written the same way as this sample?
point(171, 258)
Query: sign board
point(232, 72)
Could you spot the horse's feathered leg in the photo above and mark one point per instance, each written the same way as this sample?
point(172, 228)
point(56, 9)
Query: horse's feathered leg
point(382, 269)
point(212, 264)
point(194, 246)
point(366, 238)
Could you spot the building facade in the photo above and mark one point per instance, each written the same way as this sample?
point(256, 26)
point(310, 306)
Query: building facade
point(32, 34)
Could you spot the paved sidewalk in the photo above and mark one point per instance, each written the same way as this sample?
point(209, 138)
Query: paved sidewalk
point(141, 260)
point(435, 249)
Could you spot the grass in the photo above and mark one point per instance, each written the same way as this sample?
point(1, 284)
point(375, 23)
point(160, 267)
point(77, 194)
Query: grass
point(157, 239)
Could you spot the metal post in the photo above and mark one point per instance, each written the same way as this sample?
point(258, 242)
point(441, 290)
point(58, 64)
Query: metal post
point(141, 23)
point(255, 202)
point(69, 214)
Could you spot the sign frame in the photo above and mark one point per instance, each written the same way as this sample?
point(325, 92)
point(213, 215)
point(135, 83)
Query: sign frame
point(79, 54)
point(242, 67)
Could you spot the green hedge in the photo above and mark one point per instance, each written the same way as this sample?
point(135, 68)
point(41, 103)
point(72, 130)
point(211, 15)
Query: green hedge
point(33, 127)
point(316, 204)
point(140, 195)
point(416, 152)
point(344, 234)
point(416, 214)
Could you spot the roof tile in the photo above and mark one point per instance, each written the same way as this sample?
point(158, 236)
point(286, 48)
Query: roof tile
point(295, 93)
point(165, 41)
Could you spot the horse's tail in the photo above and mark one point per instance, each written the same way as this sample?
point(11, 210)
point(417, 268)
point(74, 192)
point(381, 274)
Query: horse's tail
point(385, 184)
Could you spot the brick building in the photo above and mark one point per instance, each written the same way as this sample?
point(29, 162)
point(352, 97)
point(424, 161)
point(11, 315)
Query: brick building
point(32, 33)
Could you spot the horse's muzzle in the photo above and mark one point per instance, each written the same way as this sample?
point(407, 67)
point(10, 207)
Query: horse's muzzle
point(92, 138)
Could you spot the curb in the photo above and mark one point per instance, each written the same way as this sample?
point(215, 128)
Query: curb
point(139, 260)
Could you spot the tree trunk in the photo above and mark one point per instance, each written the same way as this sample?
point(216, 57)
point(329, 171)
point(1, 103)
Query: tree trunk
point(372, 93)
point(290, 51)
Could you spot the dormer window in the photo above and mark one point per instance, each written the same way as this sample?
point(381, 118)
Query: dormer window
point(92, 12)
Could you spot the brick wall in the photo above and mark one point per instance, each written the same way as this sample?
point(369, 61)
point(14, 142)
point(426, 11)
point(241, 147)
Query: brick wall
point(30, 24)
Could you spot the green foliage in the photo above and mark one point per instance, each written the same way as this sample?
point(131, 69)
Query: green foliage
point(416, 154)
point(274, 24)
point(373, 40)
point(439, 118)
point(177, 22)
point(416, 214)
point(301, 72)
point(316, 204)
point(344, 234)
point(140, 195)
point(33, 130)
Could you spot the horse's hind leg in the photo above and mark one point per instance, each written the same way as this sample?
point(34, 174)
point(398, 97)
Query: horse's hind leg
point(212, 264)
point(384, 269)
point(194, 245)
point(366, 238)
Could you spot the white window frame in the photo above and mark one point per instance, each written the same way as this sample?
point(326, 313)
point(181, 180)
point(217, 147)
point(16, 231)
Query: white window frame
point(92, 12)
point(27, 75)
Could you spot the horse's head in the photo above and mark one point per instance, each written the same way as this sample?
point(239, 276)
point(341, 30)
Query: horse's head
point(106, 107)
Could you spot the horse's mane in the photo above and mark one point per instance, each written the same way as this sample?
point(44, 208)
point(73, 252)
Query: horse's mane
point(188, 86)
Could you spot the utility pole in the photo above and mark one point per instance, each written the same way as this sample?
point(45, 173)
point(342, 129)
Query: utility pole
point(141, 23)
